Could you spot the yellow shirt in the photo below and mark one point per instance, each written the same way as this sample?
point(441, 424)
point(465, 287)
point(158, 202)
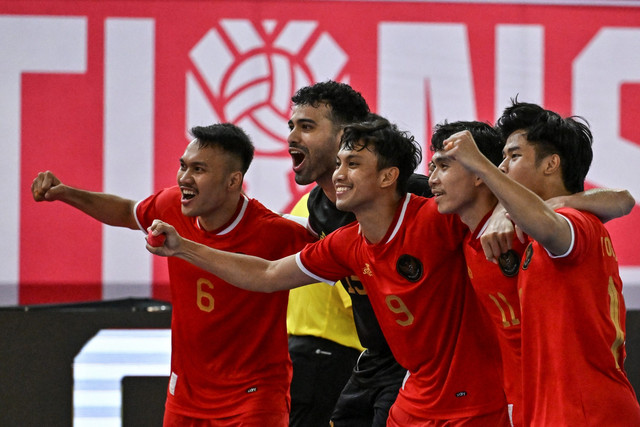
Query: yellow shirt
point(321, 310)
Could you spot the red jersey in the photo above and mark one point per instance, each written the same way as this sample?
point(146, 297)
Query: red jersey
point(229, 348)
point(497, 289)
point(417, 283)
point(573, 332)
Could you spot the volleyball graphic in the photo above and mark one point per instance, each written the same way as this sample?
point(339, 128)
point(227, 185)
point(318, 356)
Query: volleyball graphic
point(245, 73)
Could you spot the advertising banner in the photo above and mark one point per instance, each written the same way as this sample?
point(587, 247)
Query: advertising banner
point(102, 93)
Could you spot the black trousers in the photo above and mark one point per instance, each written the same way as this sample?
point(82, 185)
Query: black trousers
point(321, 369)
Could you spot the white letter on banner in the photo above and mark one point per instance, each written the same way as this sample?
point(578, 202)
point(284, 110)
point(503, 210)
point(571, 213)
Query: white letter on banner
point(29, 44)
point(519, 65)
point(610, 59)
point(424, 74)
point(128, 149)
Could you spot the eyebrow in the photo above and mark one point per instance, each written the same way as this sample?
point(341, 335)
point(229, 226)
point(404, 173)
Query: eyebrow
point(511, 149)
point(302, 120)
point(182, 161)
point(439, 156)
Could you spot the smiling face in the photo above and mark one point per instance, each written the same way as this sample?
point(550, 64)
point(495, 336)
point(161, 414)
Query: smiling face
point(356, 179)
point(206, 178)
point(454, 188)
point(313, 143)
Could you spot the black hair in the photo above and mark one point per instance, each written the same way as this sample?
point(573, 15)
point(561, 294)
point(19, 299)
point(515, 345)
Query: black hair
point(549, 133)
point(486, 137)
point(231, 138)
point(392, 147)
point(347, 105)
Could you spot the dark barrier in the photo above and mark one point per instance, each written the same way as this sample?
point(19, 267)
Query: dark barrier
point(39, 344)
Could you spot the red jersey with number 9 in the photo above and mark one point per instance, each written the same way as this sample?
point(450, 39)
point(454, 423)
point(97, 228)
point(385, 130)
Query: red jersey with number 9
point(229, 351)
point(417, 282)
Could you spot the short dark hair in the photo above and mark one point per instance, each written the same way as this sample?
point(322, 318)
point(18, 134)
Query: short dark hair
point(549, 133)
point(229, 137)
point(486, 137)
point(392, 147)
point(347, 105)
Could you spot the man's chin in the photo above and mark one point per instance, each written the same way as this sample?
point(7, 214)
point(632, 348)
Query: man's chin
point(303, 179)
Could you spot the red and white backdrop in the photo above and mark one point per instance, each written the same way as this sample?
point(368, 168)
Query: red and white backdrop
point(102, 94)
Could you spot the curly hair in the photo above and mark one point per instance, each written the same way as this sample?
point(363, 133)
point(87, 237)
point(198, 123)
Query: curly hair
point(347, 105)
point(392, 147)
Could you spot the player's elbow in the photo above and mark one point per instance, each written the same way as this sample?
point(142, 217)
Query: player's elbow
point(628, 202)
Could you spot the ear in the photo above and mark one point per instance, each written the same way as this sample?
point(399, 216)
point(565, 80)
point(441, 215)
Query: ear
point(235, 180)
point(477, 182)
point(388, 176)
point(551, 164)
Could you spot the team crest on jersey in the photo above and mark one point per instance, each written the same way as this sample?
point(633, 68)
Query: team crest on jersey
point(509, 263)
point(528, 253)
point(409, 267)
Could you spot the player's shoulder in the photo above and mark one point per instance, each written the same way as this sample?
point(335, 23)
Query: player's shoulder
point(263, 216)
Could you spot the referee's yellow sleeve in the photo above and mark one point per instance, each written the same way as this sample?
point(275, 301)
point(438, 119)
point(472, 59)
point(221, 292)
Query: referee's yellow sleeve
point(321, 310)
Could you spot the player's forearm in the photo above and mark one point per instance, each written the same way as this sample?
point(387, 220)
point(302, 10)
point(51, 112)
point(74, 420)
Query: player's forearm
point(606, 204)
point(106, 208)
point(528, 211)
point(243, 271)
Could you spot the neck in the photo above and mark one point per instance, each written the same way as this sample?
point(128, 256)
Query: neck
point(552, 188)
point(473, 215)
point(222, 215)
point(376, 219)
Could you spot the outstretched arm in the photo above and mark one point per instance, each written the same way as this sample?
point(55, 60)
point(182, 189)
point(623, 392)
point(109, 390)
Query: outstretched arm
point(244, 271)
point(525, 208)
point(106, 208)
point(605, 203)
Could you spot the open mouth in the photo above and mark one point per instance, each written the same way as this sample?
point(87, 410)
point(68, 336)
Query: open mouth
point(297, 157)
point(187, 194)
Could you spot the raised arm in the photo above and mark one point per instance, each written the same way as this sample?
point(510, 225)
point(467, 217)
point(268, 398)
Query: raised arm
point(605, 203)
point(244, 271)
point(525, 208)
point(106, 208)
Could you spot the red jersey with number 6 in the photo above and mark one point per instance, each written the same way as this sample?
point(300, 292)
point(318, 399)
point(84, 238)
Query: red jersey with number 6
point(417, 282)
point(573, 332)
point(229, 351)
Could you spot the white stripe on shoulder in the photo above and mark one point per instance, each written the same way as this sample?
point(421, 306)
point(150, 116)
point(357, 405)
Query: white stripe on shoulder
point(310, 274)
point(235, 222)
point(135, 216)
point(400, 218)
point(573, 240)
point(299, 219)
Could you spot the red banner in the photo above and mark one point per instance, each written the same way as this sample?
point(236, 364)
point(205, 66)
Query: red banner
point(102, 94)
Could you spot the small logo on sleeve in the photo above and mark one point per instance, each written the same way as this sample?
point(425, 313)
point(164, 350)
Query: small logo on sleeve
point(252, 389)
point(461, 394)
